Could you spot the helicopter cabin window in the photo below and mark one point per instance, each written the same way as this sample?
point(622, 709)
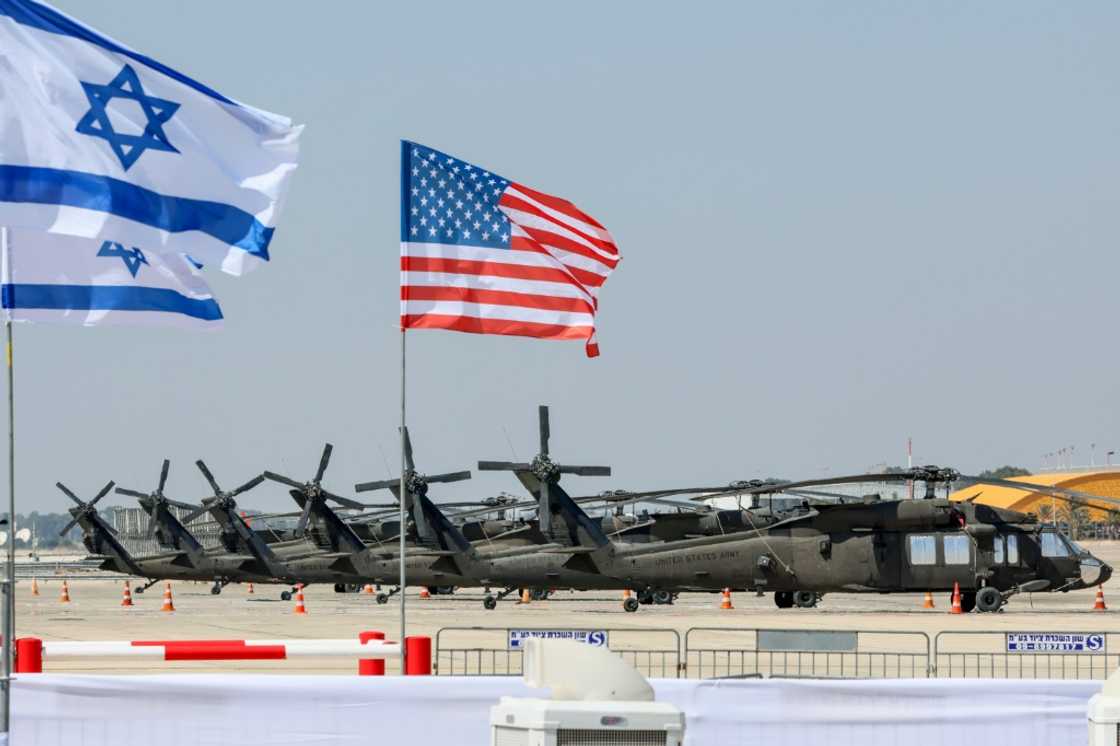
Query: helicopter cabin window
point(997, 550)
point(1012, 549)
point(956, 549)
point(1053, 546)
point(923, 550)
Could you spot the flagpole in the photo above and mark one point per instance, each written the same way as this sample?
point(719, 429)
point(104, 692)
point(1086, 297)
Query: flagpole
point(401, 500)
point(9, 611)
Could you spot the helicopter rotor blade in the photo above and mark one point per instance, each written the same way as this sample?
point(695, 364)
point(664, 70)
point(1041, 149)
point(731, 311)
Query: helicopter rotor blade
point(504, 466)
point(545, 430)
point(69, 526)
point(66, 491)
point(284, 480)
point(248, 485)
point(343, 501)
point(131, 493)
point(379, 484)
point(189, 517)
point(455, 476)
point(410, 465)
point(209, 477)
point(323, 461)
point(587, 471)
point(104, 491)
point(304, 517)
point(163, 475)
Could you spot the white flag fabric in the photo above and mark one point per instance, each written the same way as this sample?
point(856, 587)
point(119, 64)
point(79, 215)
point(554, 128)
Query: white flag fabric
point(97, 139)
point(57, 279)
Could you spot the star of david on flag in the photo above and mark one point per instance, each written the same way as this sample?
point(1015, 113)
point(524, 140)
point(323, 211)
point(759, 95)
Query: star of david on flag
point(100, 141)
point(483, 254)
point(97, 122)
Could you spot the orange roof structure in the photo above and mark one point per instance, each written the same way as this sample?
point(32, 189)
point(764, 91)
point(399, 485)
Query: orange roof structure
point(1104, 482)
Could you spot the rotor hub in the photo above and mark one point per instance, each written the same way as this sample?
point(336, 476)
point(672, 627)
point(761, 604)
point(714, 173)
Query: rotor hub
point(416, 483)
point(545, 469)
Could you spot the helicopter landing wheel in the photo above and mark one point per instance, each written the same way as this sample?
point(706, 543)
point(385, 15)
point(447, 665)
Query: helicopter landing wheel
point(285, 595)
point(215, 589)
point(381, 599)
point(630, 605)
point(805, 599)
point(988, 599)
point(489, 603)
point(783, 599)
point(662, 598)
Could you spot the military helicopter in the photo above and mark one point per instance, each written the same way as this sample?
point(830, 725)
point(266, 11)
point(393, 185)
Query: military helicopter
point(881, 546)
point(187, 561)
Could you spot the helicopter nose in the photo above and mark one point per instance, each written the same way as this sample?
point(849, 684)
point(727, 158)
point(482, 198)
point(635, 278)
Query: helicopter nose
point(1094, 572)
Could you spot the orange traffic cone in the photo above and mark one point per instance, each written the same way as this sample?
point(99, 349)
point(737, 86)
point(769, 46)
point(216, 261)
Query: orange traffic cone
point(300, 608)
point(127, 599)
point(526, 596)
point(956, 599)
point(625, 594)
point(368, 590)
point(65, 597)
point(726, 603)
point(424, 592)
point(168, 603)
point(1098, 605)
point(250, 591)
point(928, 603)
point(34, 586)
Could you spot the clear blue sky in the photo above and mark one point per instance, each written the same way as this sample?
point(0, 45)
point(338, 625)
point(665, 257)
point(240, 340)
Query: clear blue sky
point(842, 224)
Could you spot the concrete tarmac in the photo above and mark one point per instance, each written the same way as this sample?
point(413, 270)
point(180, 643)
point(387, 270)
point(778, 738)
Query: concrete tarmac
point(95, 613)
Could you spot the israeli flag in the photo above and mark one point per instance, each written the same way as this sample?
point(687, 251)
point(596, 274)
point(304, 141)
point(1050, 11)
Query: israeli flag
point(98, 140)
point(58, 279)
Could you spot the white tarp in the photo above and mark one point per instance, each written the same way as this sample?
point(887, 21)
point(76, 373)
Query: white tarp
point(192, 710)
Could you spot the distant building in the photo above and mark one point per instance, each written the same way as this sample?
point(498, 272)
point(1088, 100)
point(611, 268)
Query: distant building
point(1097, 482)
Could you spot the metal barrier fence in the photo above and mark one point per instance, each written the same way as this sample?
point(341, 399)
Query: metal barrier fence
point(723, 652)
point(495, 651)
point(728, 652)
point(1026, 655)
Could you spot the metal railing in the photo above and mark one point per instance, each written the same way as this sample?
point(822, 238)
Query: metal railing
point(724, 652)
point(988, 655)
point(731, 652)
point(494, 651)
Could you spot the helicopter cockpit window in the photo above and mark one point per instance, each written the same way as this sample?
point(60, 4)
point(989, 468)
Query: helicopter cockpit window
point(956, 549)
point(1053, 546)
point(997, 550)
point(1012, 549)
point(923, 550)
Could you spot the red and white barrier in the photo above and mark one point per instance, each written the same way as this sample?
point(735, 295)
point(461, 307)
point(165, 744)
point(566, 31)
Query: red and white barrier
point(370, 648)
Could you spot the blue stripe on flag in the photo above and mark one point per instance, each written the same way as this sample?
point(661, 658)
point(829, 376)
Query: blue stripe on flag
point(107, 298)
point(51, 186)
point(48, 19)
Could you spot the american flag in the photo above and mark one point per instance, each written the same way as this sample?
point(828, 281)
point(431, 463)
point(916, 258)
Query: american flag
point(483, 254)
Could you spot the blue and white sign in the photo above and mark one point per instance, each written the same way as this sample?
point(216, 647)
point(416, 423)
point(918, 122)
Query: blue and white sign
point(1055, 642)
point(596, 637)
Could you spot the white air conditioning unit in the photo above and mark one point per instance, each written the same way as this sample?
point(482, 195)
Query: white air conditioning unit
point(1104, 714)
point(597, 700)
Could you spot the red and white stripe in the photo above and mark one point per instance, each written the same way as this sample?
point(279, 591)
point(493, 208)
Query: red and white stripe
point(545, 285)
point(210, 650)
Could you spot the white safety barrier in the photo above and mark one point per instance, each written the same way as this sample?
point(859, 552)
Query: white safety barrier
point(192, 710)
